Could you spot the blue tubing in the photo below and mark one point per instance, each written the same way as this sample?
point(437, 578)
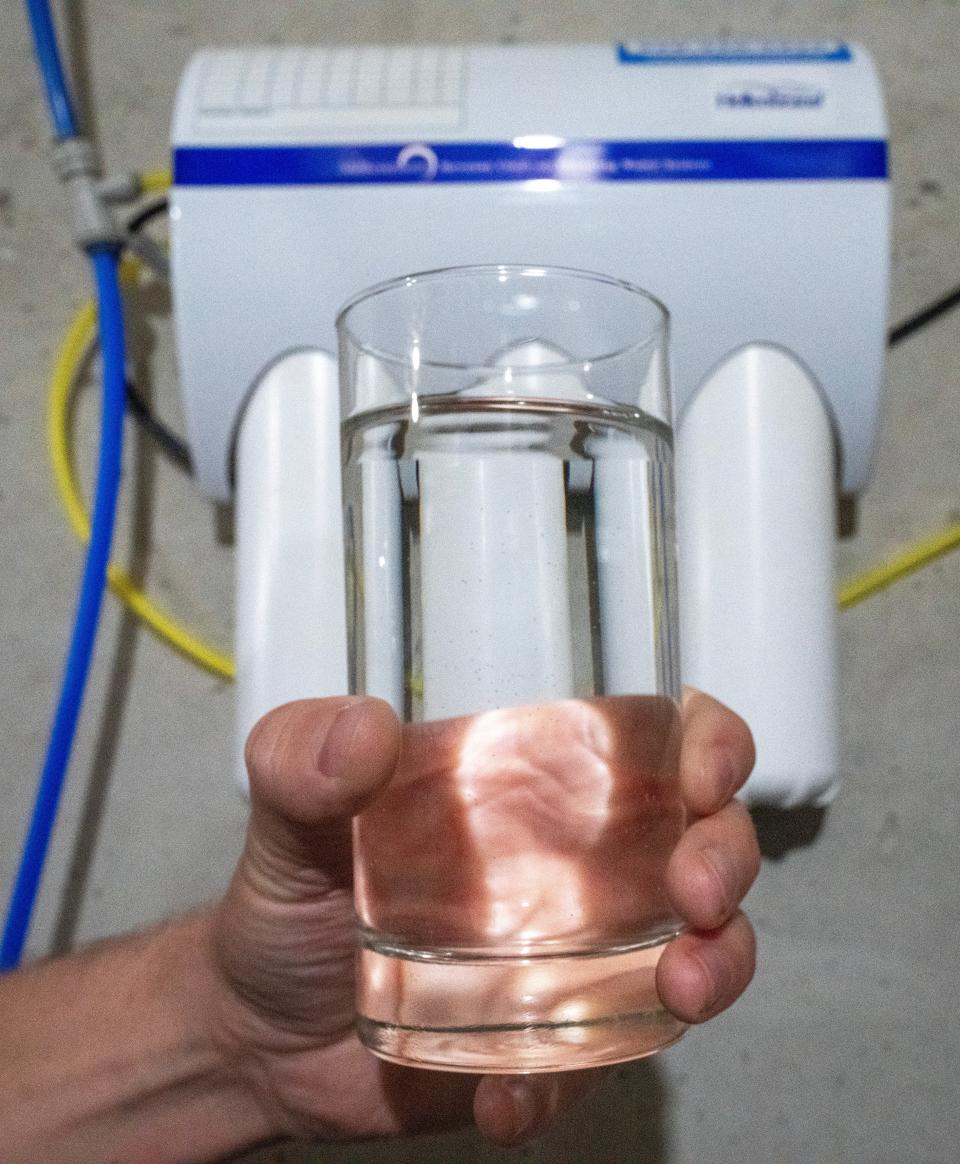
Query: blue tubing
point(22, 900)
point(48, 59)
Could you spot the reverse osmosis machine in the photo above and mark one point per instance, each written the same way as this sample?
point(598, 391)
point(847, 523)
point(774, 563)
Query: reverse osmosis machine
point(745, 185)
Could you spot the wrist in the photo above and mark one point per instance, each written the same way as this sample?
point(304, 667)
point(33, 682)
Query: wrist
point(111, 1054)
point(190, 1095)
point(226, 1066)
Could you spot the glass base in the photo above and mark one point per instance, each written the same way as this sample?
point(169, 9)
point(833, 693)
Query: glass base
point(558, 1012)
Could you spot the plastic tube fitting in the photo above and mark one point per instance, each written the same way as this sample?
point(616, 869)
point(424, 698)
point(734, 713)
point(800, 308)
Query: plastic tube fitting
point(77, 166)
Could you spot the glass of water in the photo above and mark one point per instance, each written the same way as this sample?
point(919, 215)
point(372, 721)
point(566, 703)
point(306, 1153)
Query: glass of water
point(511, 591)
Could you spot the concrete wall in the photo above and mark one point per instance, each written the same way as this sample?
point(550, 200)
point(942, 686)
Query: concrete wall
point(845, 1048)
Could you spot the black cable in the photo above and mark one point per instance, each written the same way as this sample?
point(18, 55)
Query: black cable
point(174, 447)
point(923, 317)
point(146, 214)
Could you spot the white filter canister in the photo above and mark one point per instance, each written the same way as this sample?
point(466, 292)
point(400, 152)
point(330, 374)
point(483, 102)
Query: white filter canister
point(291, 638)
point(756, 498)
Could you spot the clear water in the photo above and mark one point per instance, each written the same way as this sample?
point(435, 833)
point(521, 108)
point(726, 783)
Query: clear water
point(511, 591)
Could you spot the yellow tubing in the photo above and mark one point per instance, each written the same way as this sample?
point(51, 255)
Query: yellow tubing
point(920, 554)
point(77, 343)
point(80, 337)
point(155, 181)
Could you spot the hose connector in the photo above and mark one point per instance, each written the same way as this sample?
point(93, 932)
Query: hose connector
point(77, 166)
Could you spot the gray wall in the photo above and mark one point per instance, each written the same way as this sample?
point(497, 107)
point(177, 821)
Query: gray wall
point(845, 1048)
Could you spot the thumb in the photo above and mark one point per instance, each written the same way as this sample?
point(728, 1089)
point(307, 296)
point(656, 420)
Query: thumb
point(314, 764)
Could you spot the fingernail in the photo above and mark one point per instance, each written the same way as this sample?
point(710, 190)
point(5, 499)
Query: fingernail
point(717, 862)
point(715, 976)
point(340, 738)
point(724, 776)
point(526, 1109)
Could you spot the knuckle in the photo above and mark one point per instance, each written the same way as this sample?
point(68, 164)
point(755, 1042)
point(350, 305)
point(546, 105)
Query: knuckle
point(265, 747)
point(748, 847)
point(718, 889)
point(739, 817)
point(746, 743)
point(747, 836)
point(732, 963)
point(747, 953)
point(736, 738)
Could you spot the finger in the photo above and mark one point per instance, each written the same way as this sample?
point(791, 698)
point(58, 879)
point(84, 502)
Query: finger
point(315, 763)
point(419, 1100)
point(320, 758)
point(714, 864)
point(510, 1109)
point(717, 754)
point(699, 975)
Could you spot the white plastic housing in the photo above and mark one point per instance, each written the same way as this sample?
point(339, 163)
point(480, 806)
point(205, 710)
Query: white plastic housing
point(267, 242)
point(756, 484)
point(303, 175)
point(290, 621)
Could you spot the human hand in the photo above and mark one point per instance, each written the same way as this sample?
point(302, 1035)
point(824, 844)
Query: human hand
point(284, 936)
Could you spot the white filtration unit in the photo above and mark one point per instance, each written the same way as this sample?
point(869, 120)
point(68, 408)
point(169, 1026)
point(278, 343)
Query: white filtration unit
point(745, 185)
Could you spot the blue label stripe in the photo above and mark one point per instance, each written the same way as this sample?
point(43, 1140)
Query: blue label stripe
point(575, 162)
point(732, 53)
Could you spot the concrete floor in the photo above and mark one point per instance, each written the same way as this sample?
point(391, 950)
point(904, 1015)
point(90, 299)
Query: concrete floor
point(845, 1048)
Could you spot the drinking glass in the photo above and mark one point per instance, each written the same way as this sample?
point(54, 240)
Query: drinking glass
point(511, 592)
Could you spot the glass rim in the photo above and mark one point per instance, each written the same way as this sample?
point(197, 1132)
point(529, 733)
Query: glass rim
point(659, 332)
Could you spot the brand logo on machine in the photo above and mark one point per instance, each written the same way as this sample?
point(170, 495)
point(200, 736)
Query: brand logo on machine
point(733, 52)
point(771, 95)
point(413, 156)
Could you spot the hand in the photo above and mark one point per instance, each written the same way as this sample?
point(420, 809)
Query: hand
point(284, 934)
